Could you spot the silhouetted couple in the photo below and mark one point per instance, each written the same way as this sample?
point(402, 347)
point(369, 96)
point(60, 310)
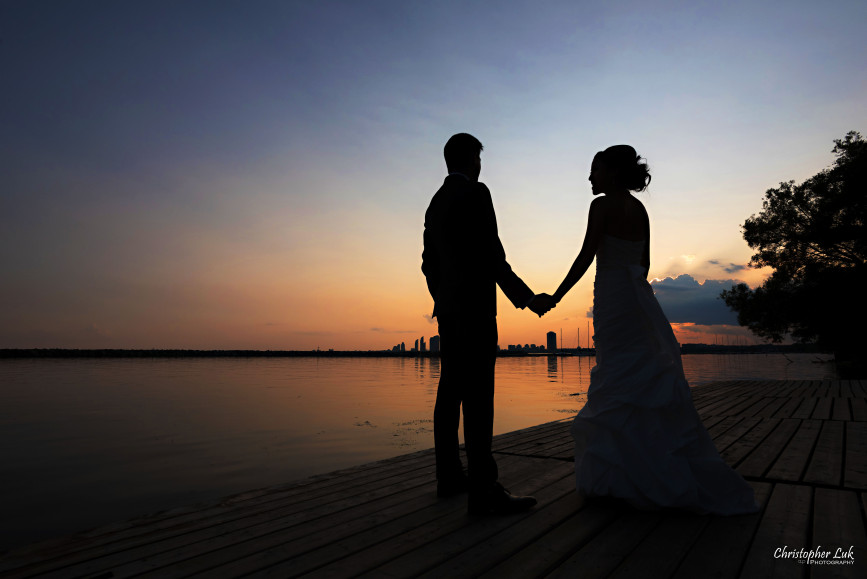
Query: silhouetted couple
point(638, 437)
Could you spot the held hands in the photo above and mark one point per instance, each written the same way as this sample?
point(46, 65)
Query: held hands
point(541, 304)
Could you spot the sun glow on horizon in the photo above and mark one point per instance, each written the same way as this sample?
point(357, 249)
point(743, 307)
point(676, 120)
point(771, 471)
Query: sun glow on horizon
point(255, 177)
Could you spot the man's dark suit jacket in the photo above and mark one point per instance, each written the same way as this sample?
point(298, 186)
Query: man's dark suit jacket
point(463, 258)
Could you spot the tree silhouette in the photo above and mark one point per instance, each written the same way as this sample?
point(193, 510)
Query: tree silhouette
point(814, 236)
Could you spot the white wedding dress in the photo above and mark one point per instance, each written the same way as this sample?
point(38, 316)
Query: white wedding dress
point(639, 437)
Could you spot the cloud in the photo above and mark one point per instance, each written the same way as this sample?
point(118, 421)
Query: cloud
point(730, 268)
point(714, 330)
point(429, 319)
point(716, 334)
point(684, 300)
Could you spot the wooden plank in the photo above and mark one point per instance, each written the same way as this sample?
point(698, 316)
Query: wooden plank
point(859, 409)
point(803, 389)
point(742, 388)
point(845, 389)
point(705, 396)
point(772, 408)
point(813, 388)
point(674, 537)
point(712, 421)
point(785, 523)
point(544, 554)
point(564, 450)
point(758, 403)
point(822, 389)
point(721, 548)
point(855, 475)
point(722, 406)
point(529, 446)
point(361, 551)
point(841, 409)
point(735, 452)
point(541, 523)
point(426, 552)
point(283, 539)
point(601, 556)
point(788, 409)
point(726, 438)
point(722, 426)
point(792, 463)
point(826, 464)
point(763, 456)
point(164, 550)
point(823, 409)
point(749, 406)
point(177, 538)
point(837, 526)
point(779, 388)
point(805, 410)
point(531, 438)
point(128, 534)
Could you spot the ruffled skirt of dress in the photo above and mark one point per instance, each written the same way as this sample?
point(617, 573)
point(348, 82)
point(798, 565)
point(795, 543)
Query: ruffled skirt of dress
point(639, 437)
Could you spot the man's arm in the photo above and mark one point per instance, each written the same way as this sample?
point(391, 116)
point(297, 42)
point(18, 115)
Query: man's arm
point(430, 265)
point(518, 292)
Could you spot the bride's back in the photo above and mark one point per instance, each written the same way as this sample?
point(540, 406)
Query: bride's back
point(626, 218)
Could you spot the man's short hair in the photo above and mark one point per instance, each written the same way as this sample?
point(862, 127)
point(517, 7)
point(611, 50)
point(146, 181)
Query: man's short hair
point(461, 150)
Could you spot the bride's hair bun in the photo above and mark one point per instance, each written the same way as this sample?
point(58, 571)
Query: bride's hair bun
point(630, 169)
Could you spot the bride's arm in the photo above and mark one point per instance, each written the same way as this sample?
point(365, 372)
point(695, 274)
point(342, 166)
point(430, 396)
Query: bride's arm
point(595, 229)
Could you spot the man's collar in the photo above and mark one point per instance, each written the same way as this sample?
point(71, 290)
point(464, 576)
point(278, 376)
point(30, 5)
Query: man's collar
point(459, 173)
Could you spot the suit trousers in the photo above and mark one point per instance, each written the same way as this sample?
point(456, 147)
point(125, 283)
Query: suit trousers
point(468, 353)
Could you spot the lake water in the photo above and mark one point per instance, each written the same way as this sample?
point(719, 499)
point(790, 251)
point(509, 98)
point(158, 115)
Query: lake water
point(85, 442)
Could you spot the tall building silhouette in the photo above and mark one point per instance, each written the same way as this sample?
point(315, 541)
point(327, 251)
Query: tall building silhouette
point(415, 349)
point(403, 346)
point(435, 344)
point(423, 346)
point(552, 341)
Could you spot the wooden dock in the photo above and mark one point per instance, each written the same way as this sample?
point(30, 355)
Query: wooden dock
point(802, 445)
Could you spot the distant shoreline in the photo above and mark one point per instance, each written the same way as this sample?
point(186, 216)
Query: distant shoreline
point(155, 353)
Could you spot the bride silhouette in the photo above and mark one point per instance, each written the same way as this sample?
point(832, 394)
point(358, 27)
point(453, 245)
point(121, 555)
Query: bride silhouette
point(638, 437)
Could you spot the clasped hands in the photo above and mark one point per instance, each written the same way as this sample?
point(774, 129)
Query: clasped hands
point(541, 304)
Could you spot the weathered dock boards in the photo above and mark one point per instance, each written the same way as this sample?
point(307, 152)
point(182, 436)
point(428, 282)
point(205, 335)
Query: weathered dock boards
point(801, 444)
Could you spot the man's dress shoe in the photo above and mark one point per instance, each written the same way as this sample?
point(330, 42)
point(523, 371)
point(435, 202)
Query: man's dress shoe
point(497, 501)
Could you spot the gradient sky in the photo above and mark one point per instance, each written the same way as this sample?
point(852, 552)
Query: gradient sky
point(255, 174)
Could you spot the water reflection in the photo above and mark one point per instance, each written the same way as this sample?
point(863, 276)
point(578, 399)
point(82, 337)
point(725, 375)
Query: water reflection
point(552, 367)
point(102, 440)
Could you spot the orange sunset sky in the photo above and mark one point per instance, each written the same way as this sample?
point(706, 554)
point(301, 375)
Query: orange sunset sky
point(193, 175)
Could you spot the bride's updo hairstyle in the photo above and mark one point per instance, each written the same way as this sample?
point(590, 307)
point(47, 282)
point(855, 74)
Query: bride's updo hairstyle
point(630, 170)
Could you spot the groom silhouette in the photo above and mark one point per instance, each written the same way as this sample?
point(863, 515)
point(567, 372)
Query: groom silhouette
point(463, 262)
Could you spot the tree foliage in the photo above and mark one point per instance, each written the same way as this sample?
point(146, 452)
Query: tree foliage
point(814, 237)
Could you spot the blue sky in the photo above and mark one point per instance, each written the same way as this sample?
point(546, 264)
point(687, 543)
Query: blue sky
point(255, 174)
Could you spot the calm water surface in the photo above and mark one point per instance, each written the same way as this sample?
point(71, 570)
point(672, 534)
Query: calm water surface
point(88, 442)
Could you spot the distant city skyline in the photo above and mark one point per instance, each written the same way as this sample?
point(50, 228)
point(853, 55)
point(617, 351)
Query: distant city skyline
point(552, 343)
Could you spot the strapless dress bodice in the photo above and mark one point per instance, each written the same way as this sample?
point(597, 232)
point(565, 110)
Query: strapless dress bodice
point(614, 252)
